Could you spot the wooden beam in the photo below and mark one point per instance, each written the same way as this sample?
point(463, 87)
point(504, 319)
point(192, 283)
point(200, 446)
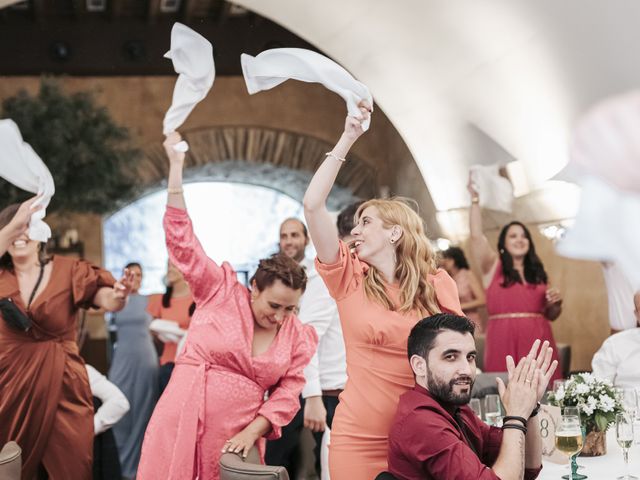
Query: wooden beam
point(189, 9)
point(153, 10)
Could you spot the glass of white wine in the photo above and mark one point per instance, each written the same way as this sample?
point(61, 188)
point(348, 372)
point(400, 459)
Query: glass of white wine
point(569, 439)
point(624, 436)
point(492, 410)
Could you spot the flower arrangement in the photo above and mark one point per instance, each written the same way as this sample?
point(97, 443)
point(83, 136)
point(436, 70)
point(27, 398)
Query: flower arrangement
point(597, 400)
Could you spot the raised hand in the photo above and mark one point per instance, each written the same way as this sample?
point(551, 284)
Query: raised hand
point(353, 125)
point(520, 395)
point(171, 140)
point(122, 288)
point(471, 189)
point(19, 224)
point(544, 364)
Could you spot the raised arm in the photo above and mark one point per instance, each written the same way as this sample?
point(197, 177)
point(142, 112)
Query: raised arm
point(204, 276)
point(482, 252)
point(322, 227)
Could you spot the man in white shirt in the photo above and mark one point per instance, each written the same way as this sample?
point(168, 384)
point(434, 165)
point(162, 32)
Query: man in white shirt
point(619, 356)
point(111, 405)
point(326, 373)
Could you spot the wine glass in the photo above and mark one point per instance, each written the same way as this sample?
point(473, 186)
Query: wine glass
point(574, 411)
point(624, 436)
point(492, 410)
point(569, 439)
point(474, 403)
point(629, 399)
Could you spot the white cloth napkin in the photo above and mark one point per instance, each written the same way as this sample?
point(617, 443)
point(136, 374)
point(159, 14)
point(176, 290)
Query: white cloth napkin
point(168, 331)
point(606, 228)
point(495, 191)
point(192, 57)
point(273, 67)
point(22, 167)
point(605, 154)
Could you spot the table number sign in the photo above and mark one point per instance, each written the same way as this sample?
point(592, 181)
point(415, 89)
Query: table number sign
point(549, 418)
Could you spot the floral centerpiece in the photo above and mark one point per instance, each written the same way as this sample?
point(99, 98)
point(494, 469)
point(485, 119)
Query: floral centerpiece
point(598, 402)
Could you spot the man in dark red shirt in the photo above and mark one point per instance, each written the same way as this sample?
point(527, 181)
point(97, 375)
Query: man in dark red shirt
point(435, 435)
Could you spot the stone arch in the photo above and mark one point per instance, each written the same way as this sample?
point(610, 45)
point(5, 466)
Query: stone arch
point(278, 159)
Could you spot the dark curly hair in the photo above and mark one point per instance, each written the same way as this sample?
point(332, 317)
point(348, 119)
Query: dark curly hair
point(457, 255)
point(280, 267)
point(533, 269)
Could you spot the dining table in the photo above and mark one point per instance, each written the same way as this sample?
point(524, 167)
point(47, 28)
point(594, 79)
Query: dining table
point(609, 466)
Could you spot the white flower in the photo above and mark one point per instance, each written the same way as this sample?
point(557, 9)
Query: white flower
point(589, 378)
point(582, 388)
point(607, 403)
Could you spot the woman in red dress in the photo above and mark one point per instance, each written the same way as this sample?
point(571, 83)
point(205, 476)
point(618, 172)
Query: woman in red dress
point(520, 303)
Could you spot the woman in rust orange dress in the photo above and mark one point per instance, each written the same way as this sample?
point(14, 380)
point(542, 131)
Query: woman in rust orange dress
point(382, 290)
point(45, 401)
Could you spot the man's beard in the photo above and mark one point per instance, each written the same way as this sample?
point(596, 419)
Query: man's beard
point(443, 392)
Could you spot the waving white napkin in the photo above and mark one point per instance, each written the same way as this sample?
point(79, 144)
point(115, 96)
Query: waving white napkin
point(273, 67)
point(605, 153)
point(495, 191)
point(22, 167)
point(192, 57)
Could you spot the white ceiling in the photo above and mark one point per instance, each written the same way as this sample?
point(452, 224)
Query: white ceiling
point(468, 81)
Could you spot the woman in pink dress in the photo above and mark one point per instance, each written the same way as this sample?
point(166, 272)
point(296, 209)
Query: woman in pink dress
point(238, 379)
point(470, 290)
point(520, 303)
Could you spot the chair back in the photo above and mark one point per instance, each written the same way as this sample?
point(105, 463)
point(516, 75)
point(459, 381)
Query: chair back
point(234, 467)
point(10, 462)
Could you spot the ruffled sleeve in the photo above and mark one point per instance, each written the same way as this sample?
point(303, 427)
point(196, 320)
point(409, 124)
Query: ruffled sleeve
point(86, 280)
point(205, 277)
point(446, 292)
point(343, 277)
point(283, 402)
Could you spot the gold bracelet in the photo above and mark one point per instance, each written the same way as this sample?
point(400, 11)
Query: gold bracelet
point(333, 155)
point(475, 199)
point(175, 191)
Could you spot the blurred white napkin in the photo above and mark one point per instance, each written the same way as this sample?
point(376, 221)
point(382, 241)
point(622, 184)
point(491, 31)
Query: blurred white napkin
point(168, 331)
point(22, 167)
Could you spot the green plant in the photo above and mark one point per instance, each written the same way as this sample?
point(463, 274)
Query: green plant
point(89, 156)
point(598, 400)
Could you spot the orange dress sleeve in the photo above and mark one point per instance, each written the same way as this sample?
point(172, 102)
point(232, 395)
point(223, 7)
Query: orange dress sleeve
point(86, 280)
point(446, 292)
point(343, 277)
point(154, 305)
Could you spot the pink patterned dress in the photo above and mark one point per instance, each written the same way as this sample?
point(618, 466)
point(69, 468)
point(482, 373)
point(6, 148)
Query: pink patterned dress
point(516, 320)
point(217, 387)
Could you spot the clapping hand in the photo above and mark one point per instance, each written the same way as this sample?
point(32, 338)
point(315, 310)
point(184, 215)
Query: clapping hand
point(544, 364)
point(552, 295)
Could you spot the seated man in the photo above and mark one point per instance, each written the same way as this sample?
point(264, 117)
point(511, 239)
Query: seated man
point(619, 356)
point(435, 435)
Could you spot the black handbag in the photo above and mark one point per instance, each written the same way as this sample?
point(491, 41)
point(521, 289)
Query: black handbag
point(14, 317)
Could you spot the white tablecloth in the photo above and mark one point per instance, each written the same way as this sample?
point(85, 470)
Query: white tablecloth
point(606, 467)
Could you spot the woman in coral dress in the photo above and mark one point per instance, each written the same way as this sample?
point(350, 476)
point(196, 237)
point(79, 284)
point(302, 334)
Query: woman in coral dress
point(238, 379)
point(45, 400)
point(382, 289)
point(520, 303)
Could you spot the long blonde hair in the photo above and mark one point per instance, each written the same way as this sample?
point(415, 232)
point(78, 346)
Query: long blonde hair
point(414, 260)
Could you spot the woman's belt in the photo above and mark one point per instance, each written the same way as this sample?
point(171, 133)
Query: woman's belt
point(516, 315)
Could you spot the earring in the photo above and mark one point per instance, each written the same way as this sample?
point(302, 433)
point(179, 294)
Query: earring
point(501, 250)
point(392, 241)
